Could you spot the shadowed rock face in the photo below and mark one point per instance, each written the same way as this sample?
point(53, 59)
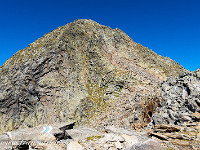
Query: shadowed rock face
point(81, 72)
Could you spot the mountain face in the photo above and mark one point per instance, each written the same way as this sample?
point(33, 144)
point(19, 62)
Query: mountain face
point(83, 72)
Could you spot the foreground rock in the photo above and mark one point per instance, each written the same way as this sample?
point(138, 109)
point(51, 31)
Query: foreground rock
point(176, 137)
point(146, 145)
point(119, 139)
point(80, 139)
point(175, 122)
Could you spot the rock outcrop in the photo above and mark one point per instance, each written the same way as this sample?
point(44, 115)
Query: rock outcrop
point(181, 102)
point(176, 137)
point(77, 73)
point(175, 122)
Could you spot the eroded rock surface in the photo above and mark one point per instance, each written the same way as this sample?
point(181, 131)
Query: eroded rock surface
point(175, 122)
point(185, 136)
point(181, 102)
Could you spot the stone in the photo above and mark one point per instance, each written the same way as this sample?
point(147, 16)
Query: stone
point(197, 115)
point(82, 133)
point(118, 145)
point(198, 136)
point(168, 127)
point(5, 147)
point(74, 145)
point(185, 117)
point(159, 136)
point(177, 136)
point(147, 145)
point(105, 146)
point(197, 127)
point(45, 137)
point(112, 148)
point(35, 133)
point(197, 73)
point(130, 140)
point(4, 137)
point(181, 142)
point(54, 147)
point(110, 137)
point(112, 129)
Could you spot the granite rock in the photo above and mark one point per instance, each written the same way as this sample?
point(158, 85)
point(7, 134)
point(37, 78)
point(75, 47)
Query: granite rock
point(181, 100)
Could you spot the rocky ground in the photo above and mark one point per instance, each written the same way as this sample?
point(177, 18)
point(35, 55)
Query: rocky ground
point(184, 137)
point(80, 138)
point(65, 136)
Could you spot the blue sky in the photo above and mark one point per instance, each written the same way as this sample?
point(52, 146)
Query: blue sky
point(169, 27)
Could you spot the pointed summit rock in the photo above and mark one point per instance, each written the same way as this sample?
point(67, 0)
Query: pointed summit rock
point(83, 72)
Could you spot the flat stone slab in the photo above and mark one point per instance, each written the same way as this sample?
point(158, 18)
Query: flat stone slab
point(28, 134)
point(82, 133)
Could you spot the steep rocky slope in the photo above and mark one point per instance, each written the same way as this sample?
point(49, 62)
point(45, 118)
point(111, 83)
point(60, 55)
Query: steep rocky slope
point(83, 72)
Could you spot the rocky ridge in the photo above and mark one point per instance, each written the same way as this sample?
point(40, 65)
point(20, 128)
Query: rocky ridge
point(83, 72)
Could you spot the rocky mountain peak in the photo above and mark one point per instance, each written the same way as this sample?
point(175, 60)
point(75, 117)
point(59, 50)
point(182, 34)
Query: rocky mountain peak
point(83, 72)
point(100, 82)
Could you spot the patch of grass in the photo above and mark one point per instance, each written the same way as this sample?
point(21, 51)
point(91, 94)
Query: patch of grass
point(93, 138)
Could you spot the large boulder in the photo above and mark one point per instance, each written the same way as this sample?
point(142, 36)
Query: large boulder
point(146, 145)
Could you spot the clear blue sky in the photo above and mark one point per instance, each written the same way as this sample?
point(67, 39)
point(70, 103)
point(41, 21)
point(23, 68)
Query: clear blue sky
point(169, 27)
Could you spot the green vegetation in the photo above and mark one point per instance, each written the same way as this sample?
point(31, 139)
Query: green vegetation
point(93, 138)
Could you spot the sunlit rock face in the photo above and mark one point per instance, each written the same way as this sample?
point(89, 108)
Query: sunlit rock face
point(181, 102)
point(83, 72)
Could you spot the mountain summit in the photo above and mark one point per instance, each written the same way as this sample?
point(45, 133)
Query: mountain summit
point(82, 72)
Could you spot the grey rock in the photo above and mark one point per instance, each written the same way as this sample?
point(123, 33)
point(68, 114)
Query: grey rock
point(118, 145)
point(130, 140)
point(110, 137)
point(159, 136)
point(74, 145)
point(112, 129)
point(4, 137)
point(29, 134)
point(181, 99)
point(147, 145)
point(82, 133)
